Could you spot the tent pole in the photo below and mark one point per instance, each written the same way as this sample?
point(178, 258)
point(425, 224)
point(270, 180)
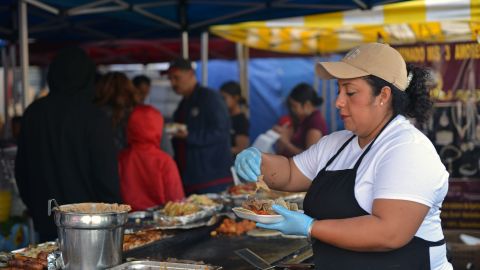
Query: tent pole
point(242, 58)
point(204, 56)
point(23, 34)
point(185, 44)
point(14, 83)
point(6, 67)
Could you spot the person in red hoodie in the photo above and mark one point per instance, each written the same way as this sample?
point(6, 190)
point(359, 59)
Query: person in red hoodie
point(148, 175)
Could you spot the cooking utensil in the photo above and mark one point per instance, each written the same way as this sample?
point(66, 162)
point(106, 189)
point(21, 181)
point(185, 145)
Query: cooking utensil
point(294, 260)
point(253, 259)
point(89, 241)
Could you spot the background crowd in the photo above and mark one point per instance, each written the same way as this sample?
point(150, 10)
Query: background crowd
point(92, 138)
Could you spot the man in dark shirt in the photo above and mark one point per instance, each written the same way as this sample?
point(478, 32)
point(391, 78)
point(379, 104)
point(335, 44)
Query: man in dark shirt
point(65, 148)
point(202, 151)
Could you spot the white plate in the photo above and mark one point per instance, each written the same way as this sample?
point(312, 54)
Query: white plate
point(259, 232)
point(247, 214)
point(293, 236)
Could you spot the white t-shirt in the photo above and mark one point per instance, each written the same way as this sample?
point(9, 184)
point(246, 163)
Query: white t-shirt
point(402, 164)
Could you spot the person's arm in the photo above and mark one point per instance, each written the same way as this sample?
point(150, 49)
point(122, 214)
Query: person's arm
point(103, 160)
point(403, 196)
point(392, 224)
point(287, 148)
point(313, 136)
point(241, 142)
point(217, 122)
point(279, 172)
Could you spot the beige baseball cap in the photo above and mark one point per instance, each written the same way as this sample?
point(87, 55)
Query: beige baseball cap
point(376, 59)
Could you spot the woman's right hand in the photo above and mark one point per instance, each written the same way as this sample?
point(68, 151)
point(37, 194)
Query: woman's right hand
point(247, 164)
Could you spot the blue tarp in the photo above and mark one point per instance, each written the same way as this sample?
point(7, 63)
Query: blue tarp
point(271, 80)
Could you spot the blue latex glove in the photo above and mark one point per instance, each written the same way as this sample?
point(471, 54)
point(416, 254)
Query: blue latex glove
point(295, 223)
point(247, 164)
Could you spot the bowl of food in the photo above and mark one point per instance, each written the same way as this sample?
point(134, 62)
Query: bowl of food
point(260, 210)
point(262, 218)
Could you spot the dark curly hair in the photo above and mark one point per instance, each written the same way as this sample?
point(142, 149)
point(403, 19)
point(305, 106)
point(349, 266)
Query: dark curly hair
point(415, 101)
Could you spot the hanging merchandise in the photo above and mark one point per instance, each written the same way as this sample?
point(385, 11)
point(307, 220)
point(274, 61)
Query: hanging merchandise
point(444, 121)
point(449, 154)
point(443, 137)
point(477, 117)
point(468, 169)
point(460, 119)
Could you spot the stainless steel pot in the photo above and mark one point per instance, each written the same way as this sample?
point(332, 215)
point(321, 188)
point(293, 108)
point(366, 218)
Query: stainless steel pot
point(90, 241)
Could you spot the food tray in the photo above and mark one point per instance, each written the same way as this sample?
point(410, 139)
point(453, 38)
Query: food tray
point(213, 208)
point(35, 248)
point(140, 215)
point(199, 223)
point(163, 266)
point(159, 215)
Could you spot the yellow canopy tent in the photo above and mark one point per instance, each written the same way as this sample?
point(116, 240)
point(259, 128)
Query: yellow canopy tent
point(400, 23)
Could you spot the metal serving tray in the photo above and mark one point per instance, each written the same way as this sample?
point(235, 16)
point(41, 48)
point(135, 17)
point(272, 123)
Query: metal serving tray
point(160, 216)
point(163, 266)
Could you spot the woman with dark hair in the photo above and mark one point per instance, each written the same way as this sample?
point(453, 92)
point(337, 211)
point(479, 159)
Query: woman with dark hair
point(308, 123)
point(232, 94)
point(115, 93)
point(374, 190)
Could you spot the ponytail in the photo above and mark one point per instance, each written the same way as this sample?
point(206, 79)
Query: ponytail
point(420, 104)
point(415, 101)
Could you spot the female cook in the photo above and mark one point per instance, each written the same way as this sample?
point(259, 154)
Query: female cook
point(374, 190)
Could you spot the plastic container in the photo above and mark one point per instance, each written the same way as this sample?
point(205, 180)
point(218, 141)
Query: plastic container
point(265, 142)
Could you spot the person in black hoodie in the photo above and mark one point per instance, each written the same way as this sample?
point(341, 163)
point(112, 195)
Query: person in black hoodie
point(65, 148)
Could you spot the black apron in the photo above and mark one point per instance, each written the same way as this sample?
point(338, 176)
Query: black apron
point(332, 196)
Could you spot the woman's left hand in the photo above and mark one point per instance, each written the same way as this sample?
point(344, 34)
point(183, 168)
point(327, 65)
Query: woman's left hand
point(294, 223)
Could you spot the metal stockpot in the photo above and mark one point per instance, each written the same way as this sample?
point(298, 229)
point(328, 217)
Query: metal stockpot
point(90, 241)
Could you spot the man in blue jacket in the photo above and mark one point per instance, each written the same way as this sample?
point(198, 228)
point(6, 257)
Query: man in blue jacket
point(202, 152)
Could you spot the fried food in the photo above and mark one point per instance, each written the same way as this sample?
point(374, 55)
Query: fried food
point(174, 209)
point(32, 257)
point(95, 208)
point(264, 206)
point(249, 188)
point(261, 185)
point(232, 228)
point(202, 200)
point(141, 238)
